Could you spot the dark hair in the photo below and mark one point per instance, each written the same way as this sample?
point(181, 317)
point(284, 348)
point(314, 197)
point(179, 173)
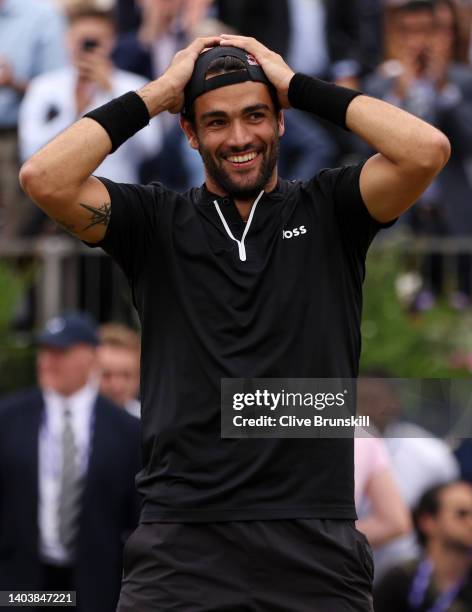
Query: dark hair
point(430, 505)
point(223, 65)
point(89, 12)
point(415, 6)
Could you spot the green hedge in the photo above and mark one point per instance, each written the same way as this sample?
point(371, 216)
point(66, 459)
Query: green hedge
point(408, 346)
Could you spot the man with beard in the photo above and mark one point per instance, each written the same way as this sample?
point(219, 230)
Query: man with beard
point(246, 276)
point(442, 579)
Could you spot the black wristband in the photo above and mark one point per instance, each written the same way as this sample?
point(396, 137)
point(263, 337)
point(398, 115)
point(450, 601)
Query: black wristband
point(326, 100)
point(121, 118)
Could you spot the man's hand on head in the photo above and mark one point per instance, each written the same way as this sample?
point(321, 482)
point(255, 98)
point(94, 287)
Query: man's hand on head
point(277, 71)
point(169, 94)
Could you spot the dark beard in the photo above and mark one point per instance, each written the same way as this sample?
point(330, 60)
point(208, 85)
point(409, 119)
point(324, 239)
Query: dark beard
point(235, 190)
point(460, 548)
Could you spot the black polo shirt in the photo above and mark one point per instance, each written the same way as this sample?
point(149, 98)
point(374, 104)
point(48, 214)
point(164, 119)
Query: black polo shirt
point(288, 304)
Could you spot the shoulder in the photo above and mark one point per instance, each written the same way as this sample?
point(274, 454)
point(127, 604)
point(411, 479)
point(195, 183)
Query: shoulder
point(397, 579)
point(329, 180)
point(150, 195)
point(118, 416)
point(47, 81)
point(15, 404)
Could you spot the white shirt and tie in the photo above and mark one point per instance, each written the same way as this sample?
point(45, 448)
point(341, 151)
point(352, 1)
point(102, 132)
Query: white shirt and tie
point(81, 405)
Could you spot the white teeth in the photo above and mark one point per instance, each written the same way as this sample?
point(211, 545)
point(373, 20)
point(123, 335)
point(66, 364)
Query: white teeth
point(239, 159)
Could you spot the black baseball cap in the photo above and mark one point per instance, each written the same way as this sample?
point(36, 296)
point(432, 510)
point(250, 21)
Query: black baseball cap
point(68, 330)
point(199, 85)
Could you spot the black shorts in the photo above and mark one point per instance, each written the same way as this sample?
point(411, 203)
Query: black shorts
point(296, 565)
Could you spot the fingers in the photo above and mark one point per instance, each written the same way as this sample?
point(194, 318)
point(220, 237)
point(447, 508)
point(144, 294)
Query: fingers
point(252, 45)
point(204, 42)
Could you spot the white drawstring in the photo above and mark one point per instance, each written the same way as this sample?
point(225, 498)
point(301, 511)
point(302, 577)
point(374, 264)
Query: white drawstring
point(241, 246)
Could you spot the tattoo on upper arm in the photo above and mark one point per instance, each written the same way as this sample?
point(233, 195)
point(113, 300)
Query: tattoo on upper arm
point(99, 216)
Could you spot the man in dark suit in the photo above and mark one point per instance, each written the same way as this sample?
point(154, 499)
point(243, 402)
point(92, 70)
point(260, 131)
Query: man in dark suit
point(68, 458)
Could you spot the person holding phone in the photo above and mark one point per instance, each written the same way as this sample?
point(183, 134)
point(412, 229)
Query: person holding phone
point(56, 99)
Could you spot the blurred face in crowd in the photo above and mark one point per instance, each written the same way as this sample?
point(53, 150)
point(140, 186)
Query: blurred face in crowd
point(65, 370)
point(444, 30)
point(415, 30)
point(90, 34)
point(164, 10)
point(237, 134)
point(376, 399)
point(452, 525)
point(119, 373)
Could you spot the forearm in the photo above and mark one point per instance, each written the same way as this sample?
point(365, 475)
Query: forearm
point(160, 95)
point(399, 136)
point(378, 530)
point(402, 138)
point(58, 170)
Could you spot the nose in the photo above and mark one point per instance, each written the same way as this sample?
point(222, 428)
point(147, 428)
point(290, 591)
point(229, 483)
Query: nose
point(239, 135)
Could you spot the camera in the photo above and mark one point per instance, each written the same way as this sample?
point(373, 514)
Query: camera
point(89, 44)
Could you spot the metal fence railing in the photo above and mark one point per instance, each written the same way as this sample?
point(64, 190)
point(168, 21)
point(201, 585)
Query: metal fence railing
point(67, 275)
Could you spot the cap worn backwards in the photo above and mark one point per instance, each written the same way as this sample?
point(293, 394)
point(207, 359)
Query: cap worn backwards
point(199, 84)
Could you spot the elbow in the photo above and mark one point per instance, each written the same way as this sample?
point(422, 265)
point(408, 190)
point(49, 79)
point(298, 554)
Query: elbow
point(35, 183)
point(435, 153)
point(402, 524)
point(442, 149)
point(30, 180)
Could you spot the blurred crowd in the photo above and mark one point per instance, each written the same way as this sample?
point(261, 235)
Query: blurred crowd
point(61, 58)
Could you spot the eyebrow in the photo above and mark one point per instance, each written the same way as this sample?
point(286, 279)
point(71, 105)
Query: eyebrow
point(245, 111)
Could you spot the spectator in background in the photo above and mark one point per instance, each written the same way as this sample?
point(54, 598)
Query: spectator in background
point(441, 579)
point(382, 512)
point(56, 99)
point(293, 28)
point(31, 42)
point(419, 460)
point(427, 80)
point(118, 357)
point(354, 38)
point(128, 16)
point(68, 458)
point(166, 27)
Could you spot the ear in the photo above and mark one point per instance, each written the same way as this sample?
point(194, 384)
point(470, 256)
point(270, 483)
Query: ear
point(281, 123)
point(189, 132)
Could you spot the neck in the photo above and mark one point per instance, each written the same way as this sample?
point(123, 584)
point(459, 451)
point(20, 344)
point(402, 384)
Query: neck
point(450, 565)
point(243, 205)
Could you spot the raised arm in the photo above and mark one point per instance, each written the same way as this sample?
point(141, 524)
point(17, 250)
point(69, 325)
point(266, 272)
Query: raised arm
point(58, 178)
point(410, 152)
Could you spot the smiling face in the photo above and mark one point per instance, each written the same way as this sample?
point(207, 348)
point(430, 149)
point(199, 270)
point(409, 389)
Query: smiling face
point(237, 133)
